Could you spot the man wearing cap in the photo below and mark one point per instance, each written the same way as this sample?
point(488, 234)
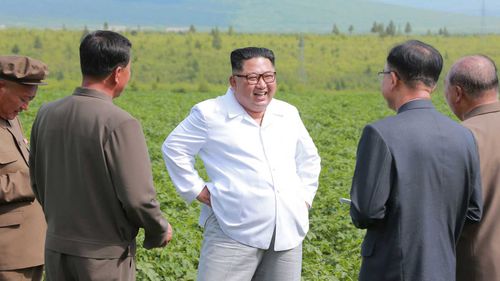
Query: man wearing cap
point(22, 224)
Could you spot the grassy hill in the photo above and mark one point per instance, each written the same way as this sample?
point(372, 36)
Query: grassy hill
point(244, 15)
point(190, 62)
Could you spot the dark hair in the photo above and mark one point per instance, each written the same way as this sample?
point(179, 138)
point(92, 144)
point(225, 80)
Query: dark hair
point(238, 56)
point(415, 61)
point(474, 74)
point(102, 51)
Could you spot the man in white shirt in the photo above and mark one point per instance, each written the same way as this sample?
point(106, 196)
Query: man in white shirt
point(263, 169)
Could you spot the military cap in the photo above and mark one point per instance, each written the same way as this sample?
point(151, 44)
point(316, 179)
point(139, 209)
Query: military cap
point(23, 70)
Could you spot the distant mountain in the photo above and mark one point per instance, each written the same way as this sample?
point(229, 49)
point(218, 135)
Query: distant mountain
point(253, 15)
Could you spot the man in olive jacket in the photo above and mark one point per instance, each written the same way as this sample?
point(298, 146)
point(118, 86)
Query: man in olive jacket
point(91, 171)
point(22, 225)
point(471, 90)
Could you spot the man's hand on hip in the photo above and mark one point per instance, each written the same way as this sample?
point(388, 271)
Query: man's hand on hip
point(204, 196)
point(169, 236)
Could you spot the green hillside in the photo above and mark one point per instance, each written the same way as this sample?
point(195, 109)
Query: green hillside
point(320, 15)
point(191, 62)
point(280, 16)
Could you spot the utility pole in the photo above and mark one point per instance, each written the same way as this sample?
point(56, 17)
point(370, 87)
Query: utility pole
point(483, 15)
point(302, 67)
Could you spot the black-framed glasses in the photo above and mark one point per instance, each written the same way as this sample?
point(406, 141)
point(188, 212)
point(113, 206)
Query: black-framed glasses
point(253, 78)
point(384, 72)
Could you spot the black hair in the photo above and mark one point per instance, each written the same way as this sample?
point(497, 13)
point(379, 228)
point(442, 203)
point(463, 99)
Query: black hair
point(239, 56)
point(415, 61)
point(102, 51)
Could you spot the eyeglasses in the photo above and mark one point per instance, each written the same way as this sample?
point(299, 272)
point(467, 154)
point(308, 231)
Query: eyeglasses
point(384, 72)
point(253, 78)
point(388, 72)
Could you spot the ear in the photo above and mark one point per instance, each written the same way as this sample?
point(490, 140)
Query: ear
point(113, 78)
point(394, 80)
point(2, 86)
point(118, 73)
point(232, 81)
point(458, 94)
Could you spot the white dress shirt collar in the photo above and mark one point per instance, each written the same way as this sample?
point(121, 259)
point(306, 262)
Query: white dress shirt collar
point(234, 109)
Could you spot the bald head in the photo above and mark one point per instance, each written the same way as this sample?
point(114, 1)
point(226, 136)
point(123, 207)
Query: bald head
point(476, 75)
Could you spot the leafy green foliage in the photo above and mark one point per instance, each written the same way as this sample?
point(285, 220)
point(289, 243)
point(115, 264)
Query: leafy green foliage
point(331, 249)
point(171, 74)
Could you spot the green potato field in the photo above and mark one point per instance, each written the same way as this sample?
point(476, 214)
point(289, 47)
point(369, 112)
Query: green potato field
point(332, 80)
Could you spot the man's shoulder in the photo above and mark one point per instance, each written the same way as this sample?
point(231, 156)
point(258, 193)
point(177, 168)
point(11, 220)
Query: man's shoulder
point(209, 104)
point(478, 120)
point(81, 109)
point(416, 116)
point(386, 122)
point(95, 104)
point(54, 103)
point(484, 126)
point(213, 107)
point(416, 122)
point(47, 109)
point(283, 106)
point(119, 112)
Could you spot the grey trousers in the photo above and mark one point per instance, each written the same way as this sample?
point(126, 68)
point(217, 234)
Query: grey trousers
point(63, 267)
point(224, 259)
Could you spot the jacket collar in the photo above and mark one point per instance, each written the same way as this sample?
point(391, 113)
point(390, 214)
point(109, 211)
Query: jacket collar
point(5, 124)
point(81, 91)
point(16, 131)
point(483, 109)
point(8, 124)
point(416, 104)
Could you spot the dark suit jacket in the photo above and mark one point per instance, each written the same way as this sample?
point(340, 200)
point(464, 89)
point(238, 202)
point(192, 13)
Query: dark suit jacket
point(416, 181)
point(91, 172)
point(478, 250)
point(22, 225)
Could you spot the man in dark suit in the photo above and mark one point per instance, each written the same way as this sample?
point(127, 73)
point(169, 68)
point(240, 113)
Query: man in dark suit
point(471, 90)
point(91, 172)
point(22, 225)
point(417, 176)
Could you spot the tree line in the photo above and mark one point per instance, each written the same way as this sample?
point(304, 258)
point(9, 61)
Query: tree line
point(388, 30)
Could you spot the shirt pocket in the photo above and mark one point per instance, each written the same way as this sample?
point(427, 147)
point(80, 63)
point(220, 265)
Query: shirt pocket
point(8, 157)
point(11, 219)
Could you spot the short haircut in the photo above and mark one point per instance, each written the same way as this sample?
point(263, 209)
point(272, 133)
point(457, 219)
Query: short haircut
point(102, 51)
point(415, 61)
point(239, 56)
point(474, 74)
